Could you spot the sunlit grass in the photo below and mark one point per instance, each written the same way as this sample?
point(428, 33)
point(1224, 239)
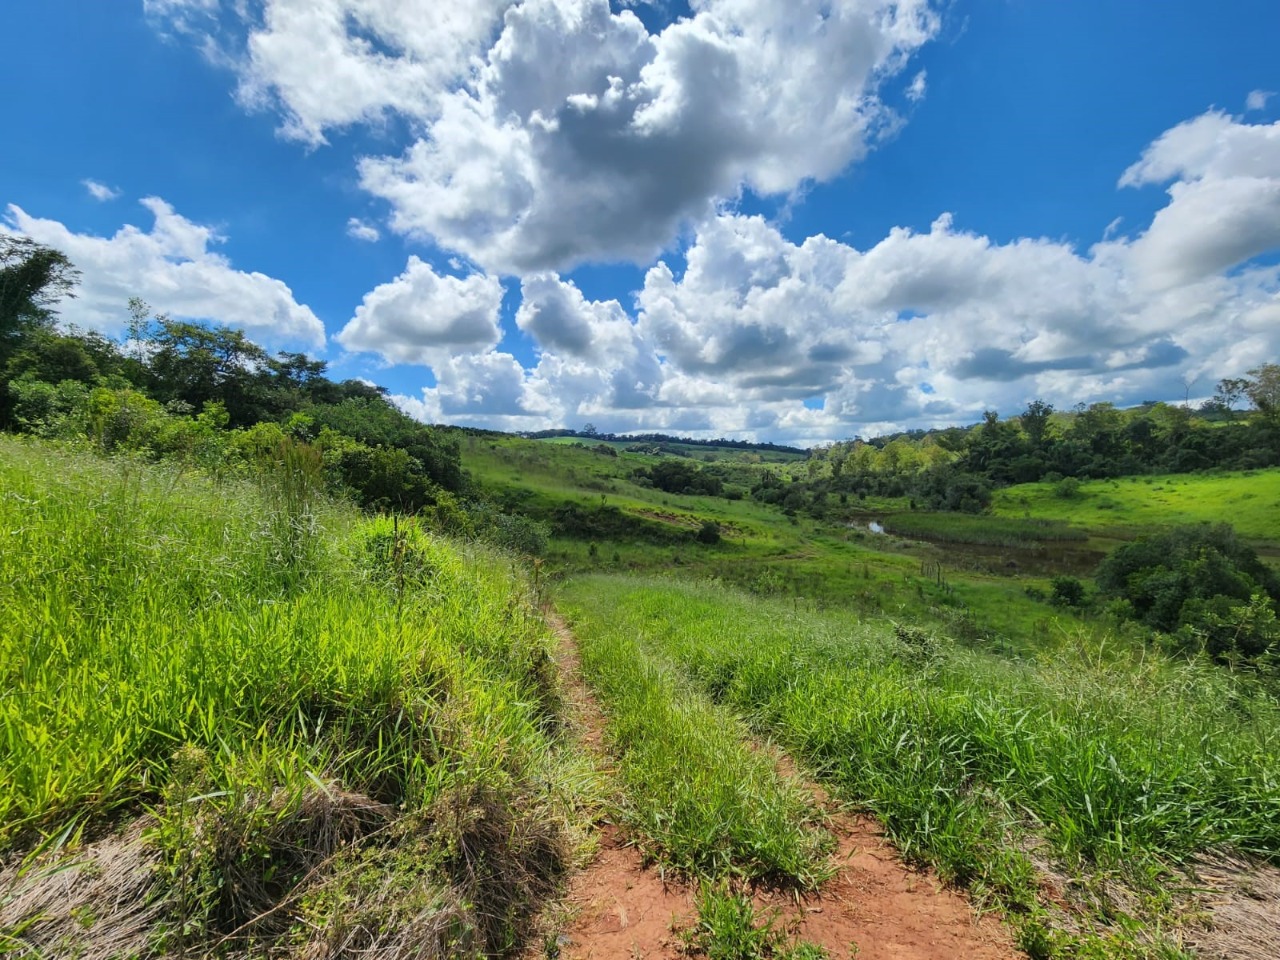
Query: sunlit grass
point(1249, 501)
point(143, 611)
point(1106, 759)
point(697, 796)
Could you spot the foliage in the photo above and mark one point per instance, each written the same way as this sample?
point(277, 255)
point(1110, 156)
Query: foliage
point(709, 532)
point(681, 476)
point(208, 394)
point(33, 278)
point(1067, 592)
point(1197, 578)
point(276, 679)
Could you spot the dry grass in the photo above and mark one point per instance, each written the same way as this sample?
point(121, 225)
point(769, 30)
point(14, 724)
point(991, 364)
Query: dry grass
point(1242, 899)
point(94, 905)
point(267, 851)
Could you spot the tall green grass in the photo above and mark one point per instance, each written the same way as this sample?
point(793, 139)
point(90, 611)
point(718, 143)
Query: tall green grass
point(238, 653)
point(697, 795)
point(1103, 758)
point(986, 530)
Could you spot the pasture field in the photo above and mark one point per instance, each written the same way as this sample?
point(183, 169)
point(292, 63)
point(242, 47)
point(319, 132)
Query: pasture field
point(1249, 501)
point(620, 526)
point(1080, 790)
point(303, 725)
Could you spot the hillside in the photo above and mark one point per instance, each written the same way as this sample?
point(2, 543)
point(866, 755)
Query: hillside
point(247, 719)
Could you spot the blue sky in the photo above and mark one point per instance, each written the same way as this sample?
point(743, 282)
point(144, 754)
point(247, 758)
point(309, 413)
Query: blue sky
point(788, 219)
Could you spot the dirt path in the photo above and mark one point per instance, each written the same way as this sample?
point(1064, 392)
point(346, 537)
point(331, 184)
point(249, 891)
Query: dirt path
point(874, 908)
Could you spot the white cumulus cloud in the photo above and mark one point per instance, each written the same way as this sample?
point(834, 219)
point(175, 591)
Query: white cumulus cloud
point(421, 316)
point(1224, 200)
point(172, 268)
point(554, 132)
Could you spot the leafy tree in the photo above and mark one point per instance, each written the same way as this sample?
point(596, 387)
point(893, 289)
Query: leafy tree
point(375, 422)
point(1230, 392)
point(33, 278)
point(1263, 390)
point(1035, 422)
point(1190, 578)
point(196, 364)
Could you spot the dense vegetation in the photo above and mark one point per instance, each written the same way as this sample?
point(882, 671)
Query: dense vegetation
point(1120, 770)
point(344, 728)
point(205, 395)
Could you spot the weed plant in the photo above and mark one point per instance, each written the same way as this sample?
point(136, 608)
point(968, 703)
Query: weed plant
point(729, 928)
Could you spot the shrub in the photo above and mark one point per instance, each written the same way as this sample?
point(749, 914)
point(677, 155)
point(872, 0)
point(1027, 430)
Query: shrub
point(1067, 592)
point(1067, 488)
point(1198, 581)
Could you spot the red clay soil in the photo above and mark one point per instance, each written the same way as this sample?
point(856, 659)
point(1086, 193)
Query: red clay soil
point(874, 908)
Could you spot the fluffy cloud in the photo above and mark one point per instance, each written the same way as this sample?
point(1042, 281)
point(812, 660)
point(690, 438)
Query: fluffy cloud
point(633, 134)
point(420, 316)
point(1224, 203)
point(380, 58)
point(559, 131)
point(806, 341)
point(100, 191)
point(174, 270)
point(358, 229)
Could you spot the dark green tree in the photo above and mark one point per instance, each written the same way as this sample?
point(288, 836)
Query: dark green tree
point(33, 278)
point(1192, 580)
point(1263, 390)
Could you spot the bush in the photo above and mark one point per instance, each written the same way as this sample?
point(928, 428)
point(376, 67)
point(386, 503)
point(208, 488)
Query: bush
point(709, 532)
point(1067, 592)
point(1200, 582)
point(1067, 488)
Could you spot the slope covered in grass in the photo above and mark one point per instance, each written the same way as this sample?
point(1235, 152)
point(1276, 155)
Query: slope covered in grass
point(299, 694)
point(1100, 763)
point(1249, 501)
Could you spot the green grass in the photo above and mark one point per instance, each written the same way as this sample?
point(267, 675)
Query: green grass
point(164, 637)
point(763, 550)
point(1249, 501)
point(699, 798)
point(1114, 763)
point(729, 928)
point(969, 528)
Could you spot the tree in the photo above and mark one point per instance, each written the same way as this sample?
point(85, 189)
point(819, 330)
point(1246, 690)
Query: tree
point(1230, 391)
point(33, 278)
point(1035, 421)
point(197, 364)
point(1263, 390)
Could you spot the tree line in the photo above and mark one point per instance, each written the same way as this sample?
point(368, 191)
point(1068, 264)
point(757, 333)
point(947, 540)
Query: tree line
point(957, 468)
point(207, 394)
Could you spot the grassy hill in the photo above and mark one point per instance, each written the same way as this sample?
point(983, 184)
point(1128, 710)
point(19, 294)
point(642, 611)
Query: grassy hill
point(298, 725)
point(242, 718)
